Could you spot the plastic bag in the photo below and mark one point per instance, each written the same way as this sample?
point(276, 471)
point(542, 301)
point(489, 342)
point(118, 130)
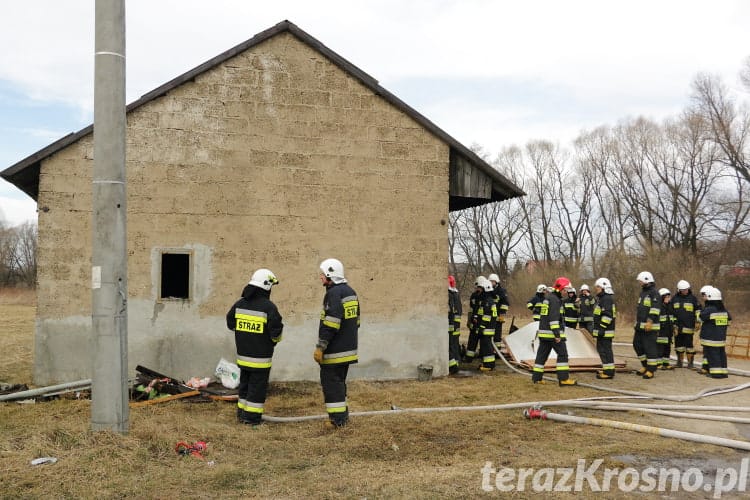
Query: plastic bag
point(228, 373)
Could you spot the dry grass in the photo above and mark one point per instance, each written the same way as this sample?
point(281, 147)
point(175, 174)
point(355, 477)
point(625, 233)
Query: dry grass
point(408, 455)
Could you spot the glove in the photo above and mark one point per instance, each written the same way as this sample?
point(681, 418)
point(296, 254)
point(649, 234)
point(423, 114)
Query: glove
point(318, 355)
point(501, 319)
point(649, 325)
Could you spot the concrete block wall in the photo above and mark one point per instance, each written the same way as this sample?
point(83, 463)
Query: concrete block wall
point(276, 158)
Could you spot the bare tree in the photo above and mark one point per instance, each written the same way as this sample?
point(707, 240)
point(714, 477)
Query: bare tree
point(25, 253)
point(729, 123)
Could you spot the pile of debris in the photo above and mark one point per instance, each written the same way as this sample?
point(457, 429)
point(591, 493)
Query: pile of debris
point(149, 387)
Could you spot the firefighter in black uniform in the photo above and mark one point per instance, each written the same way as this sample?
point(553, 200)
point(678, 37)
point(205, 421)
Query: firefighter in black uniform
point(473, 316)
point(535, 303)
point(605, 314)
point(337, 339)
point(502, 305)
point(487, 323)
point(666, 329)
point(586, 304)
point(686, 311)
point(716, 319)
point(551, 335)
point(454, 325)
point(257, 329)
point(647, 315)
point(570, 308)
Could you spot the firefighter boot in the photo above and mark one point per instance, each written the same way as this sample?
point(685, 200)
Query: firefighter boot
point(602, 375)
point(680, 359)
point(648, 375)
point(567, 381)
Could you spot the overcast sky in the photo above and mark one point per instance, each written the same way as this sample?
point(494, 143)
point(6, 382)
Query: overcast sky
point(492, 73)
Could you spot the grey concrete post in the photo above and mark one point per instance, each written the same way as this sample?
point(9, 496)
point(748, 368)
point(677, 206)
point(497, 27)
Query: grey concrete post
point(109, 391)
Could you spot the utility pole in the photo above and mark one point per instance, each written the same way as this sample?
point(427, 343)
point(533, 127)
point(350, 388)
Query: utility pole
point(109, 271)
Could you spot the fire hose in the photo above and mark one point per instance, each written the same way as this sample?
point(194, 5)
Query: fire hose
point(539, 413)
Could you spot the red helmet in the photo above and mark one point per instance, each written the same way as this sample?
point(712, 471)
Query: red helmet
point(451, 282)
point(561, 283)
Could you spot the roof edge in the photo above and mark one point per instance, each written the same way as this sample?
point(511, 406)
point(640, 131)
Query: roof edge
point(14, 171)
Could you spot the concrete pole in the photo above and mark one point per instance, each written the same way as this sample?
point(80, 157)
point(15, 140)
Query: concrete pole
point(109, 272)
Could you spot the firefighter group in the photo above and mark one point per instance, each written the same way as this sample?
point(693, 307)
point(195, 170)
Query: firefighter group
point(660, 319)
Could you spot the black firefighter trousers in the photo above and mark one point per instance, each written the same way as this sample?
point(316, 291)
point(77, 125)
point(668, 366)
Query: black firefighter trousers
point(252, 394)
point(333, 382)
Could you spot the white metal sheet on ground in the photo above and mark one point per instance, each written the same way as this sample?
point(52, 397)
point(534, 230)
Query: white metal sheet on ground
point(522, 346)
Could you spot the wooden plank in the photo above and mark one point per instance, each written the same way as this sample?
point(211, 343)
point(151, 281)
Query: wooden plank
point(140, 404)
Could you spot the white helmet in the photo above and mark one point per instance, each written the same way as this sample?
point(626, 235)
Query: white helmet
point(484, 284)
point(645, 277)
point(603, 283)
point(494, 277)
point(585, 287)
point(333, 269)
point(571, 289)
point(479, 280)
point(713, 294)
point(664, 291)
point(683, 285)
point(705, 289)
point(541, 288)
point(263, 278)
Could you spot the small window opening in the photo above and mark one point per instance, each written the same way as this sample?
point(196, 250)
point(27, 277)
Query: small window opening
point(175, 276)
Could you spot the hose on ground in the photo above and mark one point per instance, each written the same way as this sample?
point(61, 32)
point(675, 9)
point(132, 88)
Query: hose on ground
point(660, 431)
point(710, 391)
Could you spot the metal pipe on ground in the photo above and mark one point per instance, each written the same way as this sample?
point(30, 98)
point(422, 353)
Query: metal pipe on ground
point(42, 391)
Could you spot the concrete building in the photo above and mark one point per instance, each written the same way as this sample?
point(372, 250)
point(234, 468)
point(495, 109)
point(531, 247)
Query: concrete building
point(277, 153)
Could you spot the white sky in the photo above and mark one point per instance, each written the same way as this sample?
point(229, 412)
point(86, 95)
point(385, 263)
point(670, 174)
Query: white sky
point(492, 73)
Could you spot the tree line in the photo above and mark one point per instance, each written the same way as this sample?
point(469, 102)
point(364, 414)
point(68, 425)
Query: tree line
point(18, 247)
point(675, 192)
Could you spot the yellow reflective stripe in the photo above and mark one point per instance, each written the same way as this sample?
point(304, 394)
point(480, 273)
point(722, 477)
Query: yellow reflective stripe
point(332, 322)
point(249, 406)
point(339, 407)
point(341, 359)
point(254, 362)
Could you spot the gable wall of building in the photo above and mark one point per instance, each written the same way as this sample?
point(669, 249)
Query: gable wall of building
point(276, 158)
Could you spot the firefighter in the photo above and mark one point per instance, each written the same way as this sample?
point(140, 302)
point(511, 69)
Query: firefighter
point(686, 310)
point(703, 291)
point(666, 329)
point(551, 335)
point(715, 319)
point(586, 304)
point(605, 314)
point(337, 339)
point(473, 316)
point(454, 325)
point(647, 315)
point(487, 324)
point(502, 304)
point(257, 327)
point(571, 309)
point(535, 303)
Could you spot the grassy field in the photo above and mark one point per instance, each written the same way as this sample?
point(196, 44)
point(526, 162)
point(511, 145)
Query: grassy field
point(426, 455)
